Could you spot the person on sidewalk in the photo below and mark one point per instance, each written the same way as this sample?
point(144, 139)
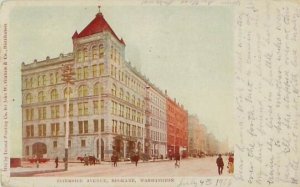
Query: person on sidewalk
point(177, 159)
point(86, 160)
point(56, 162)
point(230, 164)
point(220, 164)
point(136, 159)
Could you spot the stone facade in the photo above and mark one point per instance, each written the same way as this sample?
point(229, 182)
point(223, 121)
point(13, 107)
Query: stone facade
point(109, 101)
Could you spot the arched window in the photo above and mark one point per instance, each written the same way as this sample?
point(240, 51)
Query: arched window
point(85, 55)
point(66, 93)
point(98, 88)
point(121, 93)
point(80, 55)
point(29, 98)
point(54, 94)
point(82, 91)
point(114, 90)
point(94, 52)
point(41, 96)
point(101, 51)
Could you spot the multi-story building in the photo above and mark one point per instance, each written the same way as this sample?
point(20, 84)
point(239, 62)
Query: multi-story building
point(212, 144)
point(197, 136)
point(156, 127)
point(106, 96)
point(177, 130)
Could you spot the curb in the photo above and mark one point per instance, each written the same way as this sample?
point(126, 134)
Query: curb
point(30, 173)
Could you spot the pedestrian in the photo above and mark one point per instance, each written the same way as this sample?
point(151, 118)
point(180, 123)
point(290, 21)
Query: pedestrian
point(56, 162)
point(136, 159)
point(177, 160)
point(86, 160)
point(115, 161)
point(220, 164)
point(37, 163)
point(230, 164)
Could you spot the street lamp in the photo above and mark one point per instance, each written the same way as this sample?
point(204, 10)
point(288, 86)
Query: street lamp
point(100, 120)
point(68, 79)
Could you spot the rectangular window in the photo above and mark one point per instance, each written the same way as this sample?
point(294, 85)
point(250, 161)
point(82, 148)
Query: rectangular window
point(54, 129)
point(82, 143)
point(70, 127)
point(42, 129)
point(83, 108)
point(70, 110)
point(29, 114)
point(30, 131)
point(69, 143)
point(54, 144)
point(79, 73)
point(86, 72)
point(96, 125)
point(95, 70)
point(102, 125)
point(83, 127)
point(96, 107)
point(101, 69)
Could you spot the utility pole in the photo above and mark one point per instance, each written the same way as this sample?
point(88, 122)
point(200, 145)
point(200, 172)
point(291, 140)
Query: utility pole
point(68, 79)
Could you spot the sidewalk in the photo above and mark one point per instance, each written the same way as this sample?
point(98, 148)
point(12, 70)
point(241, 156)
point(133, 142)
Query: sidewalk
point(29, 169)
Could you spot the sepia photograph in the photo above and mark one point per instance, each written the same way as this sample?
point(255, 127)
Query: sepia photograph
point(120, 90)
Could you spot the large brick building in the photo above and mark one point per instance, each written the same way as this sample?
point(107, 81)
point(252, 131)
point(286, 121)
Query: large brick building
point(177, 122)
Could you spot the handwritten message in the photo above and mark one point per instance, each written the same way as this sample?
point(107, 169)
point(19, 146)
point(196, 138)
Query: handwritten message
point(267, 92)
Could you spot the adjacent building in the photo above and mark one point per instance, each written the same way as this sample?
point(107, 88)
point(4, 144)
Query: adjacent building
point(156, 123)
point(197, 136)
point(177, 130)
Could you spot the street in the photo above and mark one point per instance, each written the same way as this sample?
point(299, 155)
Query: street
point(188, 167)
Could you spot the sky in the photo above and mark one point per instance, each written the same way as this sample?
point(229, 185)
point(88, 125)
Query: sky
point(183, 49)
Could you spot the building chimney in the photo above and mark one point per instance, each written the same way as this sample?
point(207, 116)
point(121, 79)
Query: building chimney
point(166, 92)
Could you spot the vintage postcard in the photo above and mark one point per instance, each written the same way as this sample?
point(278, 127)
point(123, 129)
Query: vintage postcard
point(149, 93)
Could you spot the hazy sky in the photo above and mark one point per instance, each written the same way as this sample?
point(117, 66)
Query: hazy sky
point(186, 50)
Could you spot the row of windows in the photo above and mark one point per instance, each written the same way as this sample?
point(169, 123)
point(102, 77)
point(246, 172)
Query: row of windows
point(157, 136)
point(98, 52)
point(157, 112)
point(127, 97)
point(157, 123)
point(126, 129)
point(82, 110)
point(83, 127)
point(41, 80)
point(82, 92)
point(130, 82)
point(85, 72)
point(157, 101)
point(127, 112)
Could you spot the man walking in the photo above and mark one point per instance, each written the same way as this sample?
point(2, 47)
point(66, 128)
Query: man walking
point(177, 158)
point(56, 162)
point(220, 164)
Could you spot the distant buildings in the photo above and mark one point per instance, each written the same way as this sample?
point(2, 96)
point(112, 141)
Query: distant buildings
point(110, 102)
point(197, 136)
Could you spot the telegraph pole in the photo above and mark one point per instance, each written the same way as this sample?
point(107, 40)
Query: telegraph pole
point(68, 79)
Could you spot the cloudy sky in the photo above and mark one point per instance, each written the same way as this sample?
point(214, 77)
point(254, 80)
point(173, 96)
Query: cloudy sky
point(183, 49)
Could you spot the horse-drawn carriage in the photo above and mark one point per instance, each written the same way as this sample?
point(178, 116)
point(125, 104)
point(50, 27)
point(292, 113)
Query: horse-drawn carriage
point(88, 160)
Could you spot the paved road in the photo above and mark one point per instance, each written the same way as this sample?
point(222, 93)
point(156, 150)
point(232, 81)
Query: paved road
point(189, 167)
